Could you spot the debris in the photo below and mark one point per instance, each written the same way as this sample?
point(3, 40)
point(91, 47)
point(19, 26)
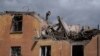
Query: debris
point(63, 31)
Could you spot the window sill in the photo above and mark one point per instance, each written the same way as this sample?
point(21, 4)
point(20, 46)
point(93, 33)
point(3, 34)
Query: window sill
point(16, 32)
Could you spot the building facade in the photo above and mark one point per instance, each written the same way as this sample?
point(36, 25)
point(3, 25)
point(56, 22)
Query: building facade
point(17, 33)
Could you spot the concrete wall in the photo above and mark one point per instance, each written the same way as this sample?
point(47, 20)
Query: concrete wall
point(24, 39)
point(58, 48)
point(93, 48)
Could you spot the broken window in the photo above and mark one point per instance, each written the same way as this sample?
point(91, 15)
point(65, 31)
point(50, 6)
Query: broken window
point(16, 51)
point(77, 50)
point(17, 23)
point(45, 50)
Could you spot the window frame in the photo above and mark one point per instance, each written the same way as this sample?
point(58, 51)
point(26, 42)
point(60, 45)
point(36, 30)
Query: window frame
point(13, 31)
point(14, 47)
point(77, 46)
point(48, 46)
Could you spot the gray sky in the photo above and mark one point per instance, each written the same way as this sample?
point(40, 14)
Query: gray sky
point(84, 12)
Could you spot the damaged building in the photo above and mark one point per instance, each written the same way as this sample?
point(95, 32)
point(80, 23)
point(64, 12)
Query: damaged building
point(27, 34)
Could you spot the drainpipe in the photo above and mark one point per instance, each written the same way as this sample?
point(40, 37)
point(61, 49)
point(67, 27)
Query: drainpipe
point(97, 46)
point(98, 43)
